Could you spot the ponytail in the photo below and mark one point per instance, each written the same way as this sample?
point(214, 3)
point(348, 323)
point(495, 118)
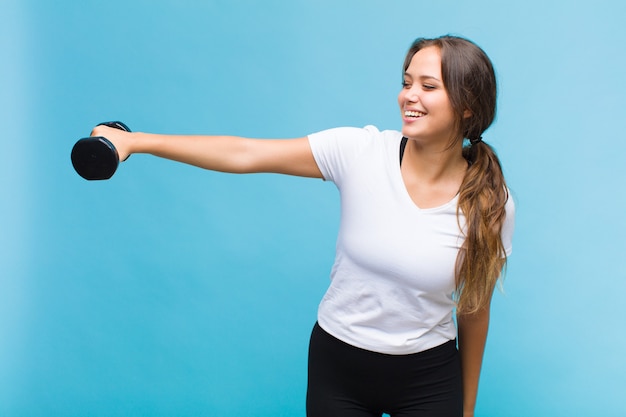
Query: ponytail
point(482, 199)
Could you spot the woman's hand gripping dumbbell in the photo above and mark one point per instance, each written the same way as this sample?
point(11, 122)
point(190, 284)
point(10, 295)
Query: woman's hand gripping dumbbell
point(95, 157)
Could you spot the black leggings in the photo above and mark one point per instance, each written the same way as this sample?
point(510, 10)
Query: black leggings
point(345, 381)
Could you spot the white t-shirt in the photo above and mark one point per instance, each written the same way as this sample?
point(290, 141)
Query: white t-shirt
point(392, 282)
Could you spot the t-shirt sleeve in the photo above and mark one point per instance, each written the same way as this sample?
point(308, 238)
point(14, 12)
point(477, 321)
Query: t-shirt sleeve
point(508, 226)
point(335, 149)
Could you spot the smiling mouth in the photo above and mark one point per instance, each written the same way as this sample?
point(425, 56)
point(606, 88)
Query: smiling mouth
point(413, 114)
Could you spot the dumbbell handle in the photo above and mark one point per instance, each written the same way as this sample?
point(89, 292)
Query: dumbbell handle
point(95, 157)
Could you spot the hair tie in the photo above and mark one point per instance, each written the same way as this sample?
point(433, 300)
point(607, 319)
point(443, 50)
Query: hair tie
point(476, 140)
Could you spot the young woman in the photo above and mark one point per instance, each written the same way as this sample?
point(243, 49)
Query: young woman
point(426, 228)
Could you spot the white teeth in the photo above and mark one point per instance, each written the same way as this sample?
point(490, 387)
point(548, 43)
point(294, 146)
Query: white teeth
point(409, 113)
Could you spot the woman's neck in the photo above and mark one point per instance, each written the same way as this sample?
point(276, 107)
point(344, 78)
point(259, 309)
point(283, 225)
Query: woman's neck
point(435, 163)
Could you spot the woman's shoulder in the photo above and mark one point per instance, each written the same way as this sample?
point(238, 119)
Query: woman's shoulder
point(386, 134)
point(368, 131)
point(354, 139)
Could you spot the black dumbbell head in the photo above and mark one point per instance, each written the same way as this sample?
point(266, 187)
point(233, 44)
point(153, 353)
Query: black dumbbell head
point(116, 125)
point(95, 158)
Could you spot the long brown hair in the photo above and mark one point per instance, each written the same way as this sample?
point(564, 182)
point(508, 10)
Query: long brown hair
point(469, 79)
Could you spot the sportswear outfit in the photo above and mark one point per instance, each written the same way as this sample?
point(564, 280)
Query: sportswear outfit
point(385, 337)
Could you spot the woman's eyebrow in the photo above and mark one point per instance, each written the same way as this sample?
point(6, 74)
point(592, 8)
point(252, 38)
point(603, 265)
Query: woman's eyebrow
point(429, 77)
point(423, 77)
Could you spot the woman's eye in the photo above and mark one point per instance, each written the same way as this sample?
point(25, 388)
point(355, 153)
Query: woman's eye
point(405, 84)
point(428, 87)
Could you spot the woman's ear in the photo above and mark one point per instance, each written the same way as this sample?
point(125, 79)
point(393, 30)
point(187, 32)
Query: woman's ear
point(467, 114)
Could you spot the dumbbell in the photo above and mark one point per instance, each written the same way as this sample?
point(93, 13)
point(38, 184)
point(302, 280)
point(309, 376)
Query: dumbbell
point(95, 157)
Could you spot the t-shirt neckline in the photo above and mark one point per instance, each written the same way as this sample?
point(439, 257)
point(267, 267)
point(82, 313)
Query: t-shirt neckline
point(405, 191)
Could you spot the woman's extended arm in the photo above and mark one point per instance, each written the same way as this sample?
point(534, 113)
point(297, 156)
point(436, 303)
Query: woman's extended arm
point(472, 338)
point(220, 153)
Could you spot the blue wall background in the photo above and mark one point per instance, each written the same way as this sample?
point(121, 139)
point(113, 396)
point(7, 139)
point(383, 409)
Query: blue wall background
point(174, 291)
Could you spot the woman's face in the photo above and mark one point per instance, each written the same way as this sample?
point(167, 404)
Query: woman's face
point(427, 113)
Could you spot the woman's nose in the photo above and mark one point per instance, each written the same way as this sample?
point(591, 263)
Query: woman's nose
point(412, 95)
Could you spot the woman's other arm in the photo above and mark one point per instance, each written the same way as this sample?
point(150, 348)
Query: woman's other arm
point(472, 338)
